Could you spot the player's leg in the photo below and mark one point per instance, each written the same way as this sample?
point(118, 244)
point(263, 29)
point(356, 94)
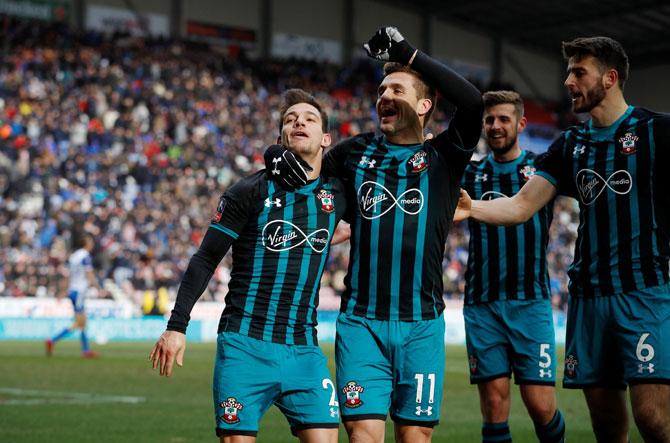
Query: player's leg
point(540, 402)
point(418, 367)
point(364, 377)
point(495, 400)
point(237, 439)
point(530, 329)
point(643, 327)
point(651, 411)
point(489, 363)
point(317, 435)
point(80, 321)
point(246, 383)
point(365, 430)
point(77, 304)
point(609, 416)
point(308, 398)
point(593, 364)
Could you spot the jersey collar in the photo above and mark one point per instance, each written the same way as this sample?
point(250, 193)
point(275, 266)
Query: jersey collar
point(607, 132)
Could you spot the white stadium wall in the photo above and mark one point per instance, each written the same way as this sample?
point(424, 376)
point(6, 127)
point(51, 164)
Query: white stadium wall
point(314, 18)
point(244, 14)
point(156, 6)
point(371, 15)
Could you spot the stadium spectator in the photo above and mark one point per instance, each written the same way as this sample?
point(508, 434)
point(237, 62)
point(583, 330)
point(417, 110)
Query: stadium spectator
point(131, 138)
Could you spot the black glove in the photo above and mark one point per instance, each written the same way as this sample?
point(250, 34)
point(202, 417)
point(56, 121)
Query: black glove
point(389, 45)
point(285, 168)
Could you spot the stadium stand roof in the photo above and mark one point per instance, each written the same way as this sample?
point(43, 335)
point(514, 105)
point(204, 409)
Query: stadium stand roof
point(641, 26)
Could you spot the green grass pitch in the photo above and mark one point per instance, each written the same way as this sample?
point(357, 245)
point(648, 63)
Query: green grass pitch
point(118, 398)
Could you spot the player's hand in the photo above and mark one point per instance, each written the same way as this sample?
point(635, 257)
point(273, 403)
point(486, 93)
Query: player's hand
point(389, 45)
point(286, 168)
point(463, 208)
point(342, 233)
point(169, 346)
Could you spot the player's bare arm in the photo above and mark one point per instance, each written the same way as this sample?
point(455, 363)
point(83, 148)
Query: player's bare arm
point(508, 211)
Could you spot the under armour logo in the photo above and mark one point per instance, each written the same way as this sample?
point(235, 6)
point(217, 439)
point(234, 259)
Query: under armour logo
point(579, 150)
point(481, 178)
point(545, 373)
point(334, 412)
point(276, 202)
point(366, 161)
point(649, 368)
point(428, 411)
point(275, 171)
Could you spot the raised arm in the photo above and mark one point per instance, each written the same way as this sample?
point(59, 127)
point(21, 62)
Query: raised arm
point(388, 44)
point(508, 211)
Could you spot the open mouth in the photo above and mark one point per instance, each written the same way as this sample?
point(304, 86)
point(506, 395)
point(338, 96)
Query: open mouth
point(576, 96)
point(299, 134)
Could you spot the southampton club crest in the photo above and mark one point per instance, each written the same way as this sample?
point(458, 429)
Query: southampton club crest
point(418, 162)
point(327, 200)
point(571, 363)
point(353, 393)
point(472, 363)
point(628, 143)
point(527, 172)
point(231, 408)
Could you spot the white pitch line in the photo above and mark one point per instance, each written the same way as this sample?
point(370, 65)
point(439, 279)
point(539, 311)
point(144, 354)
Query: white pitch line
point(56, 397)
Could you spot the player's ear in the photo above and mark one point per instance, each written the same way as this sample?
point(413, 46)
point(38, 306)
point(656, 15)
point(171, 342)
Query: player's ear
point(424, 106)
point(326, 140)
point(611, 78)
point(522, 124)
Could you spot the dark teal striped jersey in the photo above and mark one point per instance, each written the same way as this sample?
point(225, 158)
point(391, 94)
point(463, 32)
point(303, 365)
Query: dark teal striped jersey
point(281, 243)
point(619, 175)
point(505, 263)
point(405, 198)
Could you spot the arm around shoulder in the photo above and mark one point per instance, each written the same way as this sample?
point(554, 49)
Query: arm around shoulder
point(512, 211)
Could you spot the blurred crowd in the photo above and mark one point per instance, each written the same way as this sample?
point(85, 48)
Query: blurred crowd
point(134, 141)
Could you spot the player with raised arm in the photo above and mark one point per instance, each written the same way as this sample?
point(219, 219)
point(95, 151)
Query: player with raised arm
point(508, 318)
point(267, 350)
point(82, 277)
point(390, 332)
point(619, 306)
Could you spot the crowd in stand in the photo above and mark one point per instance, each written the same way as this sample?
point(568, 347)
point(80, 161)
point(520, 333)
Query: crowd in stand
point(134, 141)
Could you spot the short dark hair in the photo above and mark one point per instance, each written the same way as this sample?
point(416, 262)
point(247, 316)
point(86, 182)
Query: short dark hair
point(493, 98)
point(423, 88)
point(609, 53)
point(293, 97)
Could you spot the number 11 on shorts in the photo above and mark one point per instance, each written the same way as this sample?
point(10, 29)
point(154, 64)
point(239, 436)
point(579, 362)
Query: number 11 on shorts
point(419, 387)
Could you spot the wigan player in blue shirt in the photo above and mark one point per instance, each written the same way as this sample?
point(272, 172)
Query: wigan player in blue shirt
point(82, 277)
point(619, 307)
point(389, 348)
point(508, 318)
point(267, 350)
